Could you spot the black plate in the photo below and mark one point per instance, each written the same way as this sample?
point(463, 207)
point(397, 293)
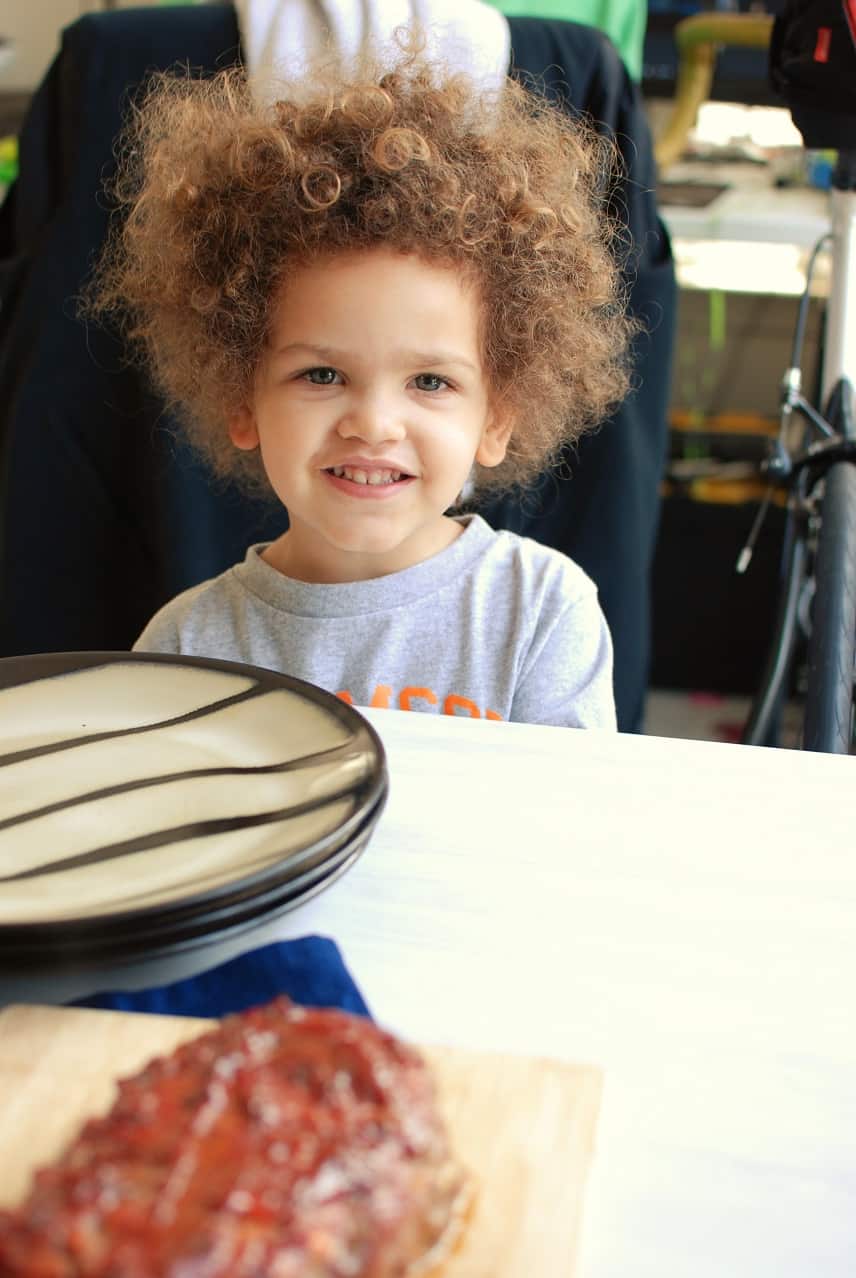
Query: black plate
point(149, 802)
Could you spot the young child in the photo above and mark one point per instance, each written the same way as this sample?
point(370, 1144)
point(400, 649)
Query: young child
point(371, 298)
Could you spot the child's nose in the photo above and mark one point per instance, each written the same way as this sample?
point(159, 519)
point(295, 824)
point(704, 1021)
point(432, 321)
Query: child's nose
point(373, 420)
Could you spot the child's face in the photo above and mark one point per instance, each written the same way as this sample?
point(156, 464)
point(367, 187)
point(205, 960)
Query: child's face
point(370, 406)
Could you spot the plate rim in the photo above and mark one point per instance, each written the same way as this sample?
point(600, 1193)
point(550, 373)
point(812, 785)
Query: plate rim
point(371, 793)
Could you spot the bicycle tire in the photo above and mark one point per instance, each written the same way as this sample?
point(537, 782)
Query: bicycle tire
point(828, 724)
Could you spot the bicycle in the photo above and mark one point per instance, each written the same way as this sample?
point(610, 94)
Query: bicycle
point(817, 603)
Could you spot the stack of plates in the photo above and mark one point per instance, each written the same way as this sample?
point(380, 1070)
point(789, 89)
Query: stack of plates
point(149, 803)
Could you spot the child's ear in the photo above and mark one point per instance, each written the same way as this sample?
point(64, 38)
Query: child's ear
point(495, 436)
point(242, 429)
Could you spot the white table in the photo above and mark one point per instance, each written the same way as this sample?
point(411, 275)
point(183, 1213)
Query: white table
point(683, 913)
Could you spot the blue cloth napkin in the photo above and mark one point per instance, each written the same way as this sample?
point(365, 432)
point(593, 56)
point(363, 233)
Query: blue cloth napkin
point(310, 970)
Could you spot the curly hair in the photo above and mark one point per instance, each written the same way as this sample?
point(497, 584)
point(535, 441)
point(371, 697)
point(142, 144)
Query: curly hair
point(218, 197)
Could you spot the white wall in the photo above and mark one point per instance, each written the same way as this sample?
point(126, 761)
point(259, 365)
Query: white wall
point(34, 26)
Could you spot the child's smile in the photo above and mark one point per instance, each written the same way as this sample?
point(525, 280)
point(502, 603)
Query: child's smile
point(355, 474)
point(369, 477)
point(370, 407)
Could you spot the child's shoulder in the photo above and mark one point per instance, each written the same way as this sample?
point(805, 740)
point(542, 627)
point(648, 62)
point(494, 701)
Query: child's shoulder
point(200, 605)
point(541, 567)
point(211, 591)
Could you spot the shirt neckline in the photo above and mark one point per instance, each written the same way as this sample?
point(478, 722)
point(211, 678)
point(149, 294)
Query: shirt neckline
point(342, 599)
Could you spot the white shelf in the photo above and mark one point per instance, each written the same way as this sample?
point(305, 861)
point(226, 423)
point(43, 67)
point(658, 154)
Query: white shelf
point(753, 209)
point(753, 238)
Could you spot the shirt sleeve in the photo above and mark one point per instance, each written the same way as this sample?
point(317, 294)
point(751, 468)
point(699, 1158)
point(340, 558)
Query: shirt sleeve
point(161, 634)
point(566, 678)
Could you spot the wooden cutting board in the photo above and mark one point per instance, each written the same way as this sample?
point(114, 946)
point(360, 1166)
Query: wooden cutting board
point(525, 1127)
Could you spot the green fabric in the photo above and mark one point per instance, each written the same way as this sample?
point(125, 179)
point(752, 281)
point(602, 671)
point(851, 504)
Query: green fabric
point(624, 21)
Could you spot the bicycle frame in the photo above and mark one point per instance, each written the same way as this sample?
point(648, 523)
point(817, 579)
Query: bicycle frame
point(822, 477)
point(832, 646)
point(840, 343)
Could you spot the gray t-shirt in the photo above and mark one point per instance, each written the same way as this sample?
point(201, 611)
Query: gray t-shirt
point(495, 626)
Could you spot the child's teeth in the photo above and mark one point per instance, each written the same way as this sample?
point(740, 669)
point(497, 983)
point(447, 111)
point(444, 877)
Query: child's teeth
point(367, 476)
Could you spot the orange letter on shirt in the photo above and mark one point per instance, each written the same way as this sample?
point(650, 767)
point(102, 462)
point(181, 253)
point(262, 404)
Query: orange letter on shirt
point(452, 702)
point(415, 694)
point(381, 696)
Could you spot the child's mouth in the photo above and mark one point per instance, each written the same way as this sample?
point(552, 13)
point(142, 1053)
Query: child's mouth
point(373, 478)
point(372, 483)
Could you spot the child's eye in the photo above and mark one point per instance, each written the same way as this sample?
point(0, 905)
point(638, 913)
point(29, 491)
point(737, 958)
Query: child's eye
point(429, 382)
point(320, 376)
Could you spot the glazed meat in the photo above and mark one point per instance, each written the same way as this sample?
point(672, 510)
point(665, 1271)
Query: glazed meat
point(287, 1143)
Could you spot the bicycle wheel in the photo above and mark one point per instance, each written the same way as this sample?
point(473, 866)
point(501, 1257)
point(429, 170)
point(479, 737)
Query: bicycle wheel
point(828, 722)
